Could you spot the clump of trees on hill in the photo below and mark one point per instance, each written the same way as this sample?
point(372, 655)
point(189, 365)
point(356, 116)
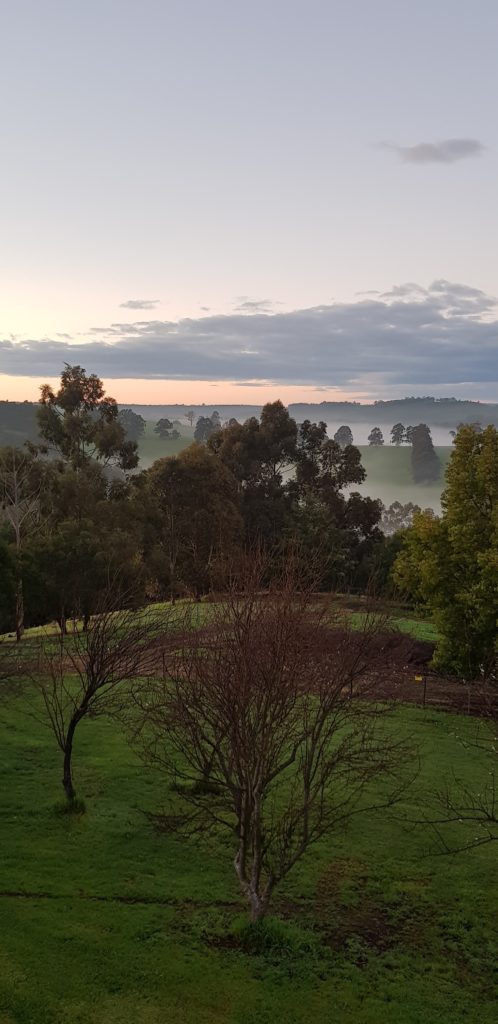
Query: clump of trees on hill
point(166, 430)
point(206, 426)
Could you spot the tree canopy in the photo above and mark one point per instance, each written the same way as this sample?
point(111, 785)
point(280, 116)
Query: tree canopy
point(80, 422)
point(376, 437)
point(426, 467)
point(450, 563)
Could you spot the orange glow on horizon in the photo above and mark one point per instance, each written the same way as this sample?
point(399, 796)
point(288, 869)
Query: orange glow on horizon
point(185, 392)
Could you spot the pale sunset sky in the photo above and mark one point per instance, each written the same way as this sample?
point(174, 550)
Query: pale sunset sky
point(223, 201)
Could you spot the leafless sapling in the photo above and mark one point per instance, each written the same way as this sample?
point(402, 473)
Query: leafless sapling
point(85, 674)
point(274, 702)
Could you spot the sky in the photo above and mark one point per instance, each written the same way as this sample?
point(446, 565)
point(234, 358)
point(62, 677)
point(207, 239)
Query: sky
point(288, 198)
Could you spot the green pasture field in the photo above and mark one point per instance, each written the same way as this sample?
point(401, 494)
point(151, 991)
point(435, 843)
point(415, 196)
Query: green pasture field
point(105, 921)
point(389, 476)
point(419, 628)
point(152, 447)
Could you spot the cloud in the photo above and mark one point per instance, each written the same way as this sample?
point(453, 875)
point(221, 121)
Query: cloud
point(246, 305)
point(140, 304)
point(447, 151)
point(433, 337)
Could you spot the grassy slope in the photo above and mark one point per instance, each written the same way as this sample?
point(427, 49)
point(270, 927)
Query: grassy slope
point(388, 469)
point(117, 923)
point(389, 476)
point(152, 447)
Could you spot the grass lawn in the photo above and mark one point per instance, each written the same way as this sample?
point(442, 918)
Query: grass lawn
point(103, 921)
point(421, 629)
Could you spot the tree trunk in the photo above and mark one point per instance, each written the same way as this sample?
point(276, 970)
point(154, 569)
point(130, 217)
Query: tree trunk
point(259, 906)
point(258, 902)
point(19, 608)
point(67, 778)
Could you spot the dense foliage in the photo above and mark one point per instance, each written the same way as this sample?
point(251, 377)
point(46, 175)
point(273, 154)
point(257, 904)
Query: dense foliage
point(451, 563)
point(77, 515)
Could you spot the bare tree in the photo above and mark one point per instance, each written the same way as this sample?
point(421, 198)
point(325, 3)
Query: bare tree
point(271, 704)
point(84, 675)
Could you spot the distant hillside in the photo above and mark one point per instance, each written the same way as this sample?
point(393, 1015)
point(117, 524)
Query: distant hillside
point(442, 412)
point(174, 412)
point(437, 412)
point(17, 423)
point(18, 419)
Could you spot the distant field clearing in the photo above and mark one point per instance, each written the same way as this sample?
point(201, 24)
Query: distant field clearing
point(389, 475)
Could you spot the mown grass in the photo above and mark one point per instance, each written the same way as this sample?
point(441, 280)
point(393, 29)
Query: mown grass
point(105, 921)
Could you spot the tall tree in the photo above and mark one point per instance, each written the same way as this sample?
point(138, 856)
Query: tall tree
point(451, 563)
point(343, 436)
point(80, 422)
point(426, 467)
point(258, 453)
point(20, 486)
point(133, 424)
point(376, 437)
point(7, 588)
point(397, 433)
point(344, 526)
point(204, 428)
point(197, 518)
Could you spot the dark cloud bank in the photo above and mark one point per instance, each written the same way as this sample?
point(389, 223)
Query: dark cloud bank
point(444, 335)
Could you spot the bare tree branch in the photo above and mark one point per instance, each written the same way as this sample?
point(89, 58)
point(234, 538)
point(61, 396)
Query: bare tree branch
point(268, 723)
